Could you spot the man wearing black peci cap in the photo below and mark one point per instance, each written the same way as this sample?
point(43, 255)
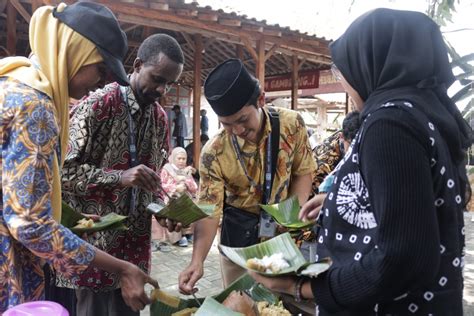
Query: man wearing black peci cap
point(118, 142)
point(256, 143)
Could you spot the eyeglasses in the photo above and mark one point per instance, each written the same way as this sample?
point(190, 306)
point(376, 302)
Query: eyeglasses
point(336, 72)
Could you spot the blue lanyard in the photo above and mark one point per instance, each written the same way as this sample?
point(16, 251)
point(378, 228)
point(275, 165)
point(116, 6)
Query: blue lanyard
point(132, 147)
point(268, 167)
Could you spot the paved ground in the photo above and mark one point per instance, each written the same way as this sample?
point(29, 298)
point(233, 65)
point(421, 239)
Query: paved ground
point(167, 266)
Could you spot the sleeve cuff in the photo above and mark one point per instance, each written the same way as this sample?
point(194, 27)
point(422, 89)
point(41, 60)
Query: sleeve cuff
point(112, 177)
point(323, 295)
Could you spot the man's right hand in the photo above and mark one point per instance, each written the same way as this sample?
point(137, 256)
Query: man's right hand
point(170, 224)
point(132, 282)
point(310, 210)
point(141, 176)
point(188, 278)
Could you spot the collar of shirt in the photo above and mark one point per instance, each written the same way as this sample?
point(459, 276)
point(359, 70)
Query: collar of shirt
point(132, 101)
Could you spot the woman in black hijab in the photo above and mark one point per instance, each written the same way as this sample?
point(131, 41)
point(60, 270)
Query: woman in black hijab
point(392, 222)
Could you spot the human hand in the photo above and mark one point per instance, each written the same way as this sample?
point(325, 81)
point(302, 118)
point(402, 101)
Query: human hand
point(241, 303)
point(132, 282)
point(190, 170)
point(311, 209)
point(141, 176)
point(181, 187)
point(280, 284)
point(188, 278)
point(95, 218)
point(170, 224)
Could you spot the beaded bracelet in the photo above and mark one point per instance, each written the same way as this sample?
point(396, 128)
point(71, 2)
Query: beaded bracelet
point(298, 286)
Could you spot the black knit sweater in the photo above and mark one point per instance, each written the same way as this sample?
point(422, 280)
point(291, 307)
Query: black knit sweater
point(393, 223)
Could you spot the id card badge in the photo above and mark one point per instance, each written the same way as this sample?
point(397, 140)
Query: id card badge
point(267, 226)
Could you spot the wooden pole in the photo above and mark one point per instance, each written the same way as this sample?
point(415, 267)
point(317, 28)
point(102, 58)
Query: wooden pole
point(198, 46)
point(239, 51)
point(11, 29)
point(346, 110)
point(260, 62)
point(294, 82)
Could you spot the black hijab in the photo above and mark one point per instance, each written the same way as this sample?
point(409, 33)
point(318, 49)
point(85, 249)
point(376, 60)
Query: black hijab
point(388, 55)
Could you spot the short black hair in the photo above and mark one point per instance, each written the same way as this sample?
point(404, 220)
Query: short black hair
point(155, 44)
point(254, 98)
point(350, 125)
point(204, 138)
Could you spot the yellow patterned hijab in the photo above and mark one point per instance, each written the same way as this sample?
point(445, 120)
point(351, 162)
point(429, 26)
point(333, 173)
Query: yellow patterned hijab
point(58, 52)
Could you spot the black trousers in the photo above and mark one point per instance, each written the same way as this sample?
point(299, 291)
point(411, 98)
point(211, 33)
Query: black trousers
point(179, 141)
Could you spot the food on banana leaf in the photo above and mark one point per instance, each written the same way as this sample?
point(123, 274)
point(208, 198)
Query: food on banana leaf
point(273, 264)
point(165, 298)
point(186, 312)
point(241, 303)
point(267, 309)
point(84, 223)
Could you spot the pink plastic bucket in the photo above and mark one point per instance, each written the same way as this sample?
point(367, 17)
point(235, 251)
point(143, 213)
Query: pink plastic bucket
point(38, 308)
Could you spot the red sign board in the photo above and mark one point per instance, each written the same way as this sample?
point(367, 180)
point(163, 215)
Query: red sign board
point(307, 80)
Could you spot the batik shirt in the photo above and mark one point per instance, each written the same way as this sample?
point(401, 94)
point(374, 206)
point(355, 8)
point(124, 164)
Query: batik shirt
point(98, 154)
point(28, 232)
point(222, 174)
point(327, 155)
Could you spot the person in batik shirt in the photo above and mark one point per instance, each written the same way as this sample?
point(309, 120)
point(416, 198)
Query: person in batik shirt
point(99, 176)
point(34, 94)
point(238, 100)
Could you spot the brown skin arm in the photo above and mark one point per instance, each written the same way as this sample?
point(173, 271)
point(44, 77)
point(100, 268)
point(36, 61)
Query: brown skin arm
point(204, 234)
point(301, 187)
point(132, 279)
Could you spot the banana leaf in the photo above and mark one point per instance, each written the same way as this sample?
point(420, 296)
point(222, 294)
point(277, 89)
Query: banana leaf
point(213, 307)
point(112, 221)
point(280, 244)
point(245, 283)
point(286, 213)
point(314, 269)
point(181, 209)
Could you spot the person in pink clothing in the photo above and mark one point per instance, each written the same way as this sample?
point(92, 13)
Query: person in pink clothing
point(176, 179)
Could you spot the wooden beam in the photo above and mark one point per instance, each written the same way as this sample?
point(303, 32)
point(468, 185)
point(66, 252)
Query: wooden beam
point(4, 52)
point(159, 6)
point(250, 49)
point(122, 17)
point(206, 44)
point(272, 32)
point(187, 12)
point(21, 10)
point(130, 28)
point(252, 28)
point(197, 25)
point(239, 52)
point(208, 16)
point(294, 83)
point(260, 62)
point(188, 39)
point(230, 22)
point(147, 31)
point(11, 29)
point(271, 51)
point(301, 63)
point(197, 99)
